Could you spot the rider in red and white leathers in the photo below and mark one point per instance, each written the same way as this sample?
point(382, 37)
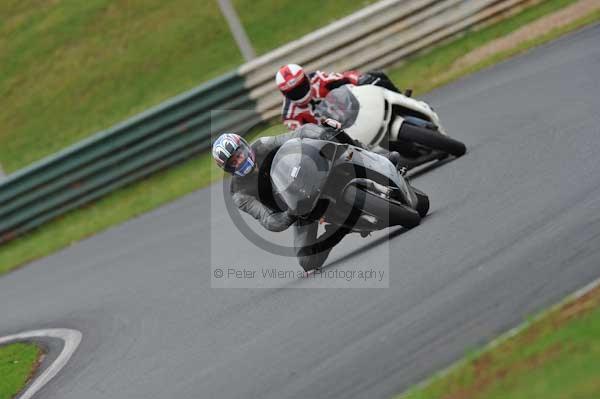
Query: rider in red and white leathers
point(302, 91)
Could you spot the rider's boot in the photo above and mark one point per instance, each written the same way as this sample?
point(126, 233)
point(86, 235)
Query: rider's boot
point(394, 157)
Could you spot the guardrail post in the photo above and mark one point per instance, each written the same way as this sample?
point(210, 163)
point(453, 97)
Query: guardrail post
point(237, 30)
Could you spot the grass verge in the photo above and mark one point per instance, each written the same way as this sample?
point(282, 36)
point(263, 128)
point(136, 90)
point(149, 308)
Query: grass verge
point(557, 356)
point(200, 171)
point(72, 68)
point(18, 362)
point(422, 72)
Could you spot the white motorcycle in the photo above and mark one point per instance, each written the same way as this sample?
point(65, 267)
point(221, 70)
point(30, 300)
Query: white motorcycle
point(381, 118)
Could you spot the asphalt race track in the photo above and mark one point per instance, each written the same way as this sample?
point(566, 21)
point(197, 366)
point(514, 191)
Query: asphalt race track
point(514, 227)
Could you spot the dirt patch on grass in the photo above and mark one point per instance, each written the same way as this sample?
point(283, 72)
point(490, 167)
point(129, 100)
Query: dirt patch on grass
point(578, 307)
point(485, 374)
point(41, 355)
point(526, 33)
point(489, 368)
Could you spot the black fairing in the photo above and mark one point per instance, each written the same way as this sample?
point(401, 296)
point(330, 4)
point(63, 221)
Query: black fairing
point(298, 173)
point(305, 171)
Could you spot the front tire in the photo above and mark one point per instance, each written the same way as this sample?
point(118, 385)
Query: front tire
point(431, 139)
point(422, 202)
point(389, 211)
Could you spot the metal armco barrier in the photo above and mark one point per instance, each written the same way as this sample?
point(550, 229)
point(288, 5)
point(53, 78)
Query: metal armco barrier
point(155, 139)
point(375, 37)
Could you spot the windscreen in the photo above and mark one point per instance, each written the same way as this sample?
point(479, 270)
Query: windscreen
point(340, 105)
point(298, 173)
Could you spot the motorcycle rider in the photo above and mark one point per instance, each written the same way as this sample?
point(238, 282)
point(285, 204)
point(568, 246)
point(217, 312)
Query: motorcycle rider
point(302, 91)
point(252, 192)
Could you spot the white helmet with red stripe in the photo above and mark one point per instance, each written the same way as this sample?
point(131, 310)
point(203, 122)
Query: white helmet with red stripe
point(293, 83)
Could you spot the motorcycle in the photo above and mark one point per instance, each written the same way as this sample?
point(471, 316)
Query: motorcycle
point(344, 185)
point(382, 118)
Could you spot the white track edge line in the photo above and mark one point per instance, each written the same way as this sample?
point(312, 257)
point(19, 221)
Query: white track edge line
point(71, 338)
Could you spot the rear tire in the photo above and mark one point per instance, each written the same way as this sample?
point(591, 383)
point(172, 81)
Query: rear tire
point(431, 139)
point(390, 212)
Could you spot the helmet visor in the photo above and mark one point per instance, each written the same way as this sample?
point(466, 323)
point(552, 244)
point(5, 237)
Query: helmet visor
point(299, 92)
point(241, 162)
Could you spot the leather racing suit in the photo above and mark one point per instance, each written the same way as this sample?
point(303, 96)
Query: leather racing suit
point(253, 194)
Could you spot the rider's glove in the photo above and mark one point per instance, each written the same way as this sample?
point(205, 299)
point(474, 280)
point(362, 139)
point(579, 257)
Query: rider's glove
point(280, 221)
point(332, 123)
point(339, 135)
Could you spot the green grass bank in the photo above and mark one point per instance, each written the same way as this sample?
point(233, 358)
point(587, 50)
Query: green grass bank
point(18, 362)
point(557, 356)
point(72, 68)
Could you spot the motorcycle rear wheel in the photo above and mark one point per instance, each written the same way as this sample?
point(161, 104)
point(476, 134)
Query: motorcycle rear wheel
point(432, 139)
point(386, 210)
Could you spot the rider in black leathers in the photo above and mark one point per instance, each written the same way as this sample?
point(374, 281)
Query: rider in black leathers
point(252, 193)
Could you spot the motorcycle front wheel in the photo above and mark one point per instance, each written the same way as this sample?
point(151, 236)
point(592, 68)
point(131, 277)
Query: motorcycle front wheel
point(422, 203)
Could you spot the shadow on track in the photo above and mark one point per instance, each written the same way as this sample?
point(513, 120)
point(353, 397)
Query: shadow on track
point(367, 247)
point(421, 170)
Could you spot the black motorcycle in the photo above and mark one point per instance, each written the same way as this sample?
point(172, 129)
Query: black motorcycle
point(344, 185)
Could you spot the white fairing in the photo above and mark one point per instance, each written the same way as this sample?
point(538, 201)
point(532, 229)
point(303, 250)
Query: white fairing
point(373, 121)
point(370, 117)
point(417, 105)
